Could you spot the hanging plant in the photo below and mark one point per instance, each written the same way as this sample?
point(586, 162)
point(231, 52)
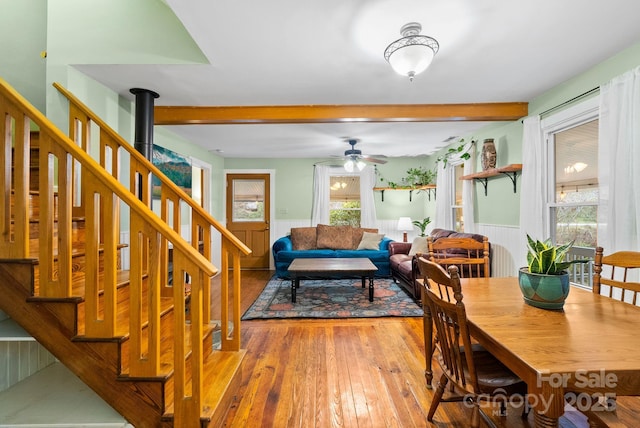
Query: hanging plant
point(462, 152)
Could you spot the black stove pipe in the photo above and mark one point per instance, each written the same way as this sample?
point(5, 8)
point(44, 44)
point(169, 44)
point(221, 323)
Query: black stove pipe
point(143, 139)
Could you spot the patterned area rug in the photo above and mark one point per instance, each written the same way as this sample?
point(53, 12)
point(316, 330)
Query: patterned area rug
point(332, 298)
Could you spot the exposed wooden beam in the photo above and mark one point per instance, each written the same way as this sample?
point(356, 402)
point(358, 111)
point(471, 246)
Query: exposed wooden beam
point(193, 115)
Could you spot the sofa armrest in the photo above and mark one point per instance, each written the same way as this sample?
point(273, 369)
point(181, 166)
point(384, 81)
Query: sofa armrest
point(385, 244)
point(282, 244)
point(399, 247)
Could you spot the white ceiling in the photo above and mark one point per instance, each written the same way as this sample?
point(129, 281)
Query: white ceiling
point(292, 52)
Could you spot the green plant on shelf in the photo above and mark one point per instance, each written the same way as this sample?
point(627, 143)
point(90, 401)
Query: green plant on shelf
point(419, 176)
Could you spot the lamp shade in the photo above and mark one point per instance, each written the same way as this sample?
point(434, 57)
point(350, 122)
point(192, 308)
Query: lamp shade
point(349, 165)
point(404, 224)
point(413, 53)
point(411, 59)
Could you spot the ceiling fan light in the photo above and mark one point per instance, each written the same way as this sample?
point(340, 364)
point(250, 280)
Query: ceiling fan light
point(349, 165)
point(413, 53)
point(360, 165)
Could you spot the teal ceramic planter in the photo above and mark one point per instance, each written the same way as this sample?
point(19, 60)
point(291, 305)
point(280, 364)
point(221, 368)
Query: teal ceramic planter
point(543, 291)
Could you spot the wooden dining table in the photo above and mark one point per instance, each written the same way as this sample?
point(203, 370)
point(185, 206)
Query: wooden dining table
point(588, 350)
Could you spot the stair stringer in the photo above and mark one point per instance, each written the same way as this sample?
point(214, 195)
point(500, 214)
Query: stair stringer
point(95, 362)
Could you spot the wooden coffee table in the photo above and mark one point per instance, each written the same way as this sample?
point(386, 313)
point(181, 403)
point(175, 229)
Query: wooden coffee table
point(331, 268)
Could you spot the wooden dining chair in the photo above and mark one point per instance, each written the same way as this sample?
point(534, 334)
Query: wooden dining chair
point(617, 267)
point(476, 373)
point(613, 271)
point(471, 257)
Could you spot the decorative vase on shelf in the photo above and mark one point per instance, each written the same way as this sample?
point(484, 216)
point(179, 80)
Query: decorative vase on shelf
point(488, 154)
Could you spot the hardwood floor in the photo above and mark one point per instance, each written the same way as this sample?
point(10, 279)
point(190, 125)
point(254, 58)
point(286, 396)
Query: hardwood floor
point(338, 373)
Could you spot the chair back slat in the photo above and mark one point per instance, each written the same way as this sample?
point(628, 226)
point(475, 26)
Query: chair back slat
point(470, 256)
point(617, 272)
point(444, 298)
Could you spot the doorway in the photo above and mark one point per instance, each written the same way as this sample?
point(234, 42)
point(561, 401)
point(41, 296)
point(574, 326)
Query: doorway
point(247, 210)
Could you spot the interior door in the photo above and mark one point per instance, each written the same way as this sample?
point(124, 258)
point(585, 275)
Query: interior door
point(248, 211)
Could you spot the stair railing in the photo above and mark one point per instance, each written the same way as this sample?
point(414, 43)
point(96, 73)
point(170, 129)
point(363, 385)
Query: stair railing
point(81, 119)
point(64, 166)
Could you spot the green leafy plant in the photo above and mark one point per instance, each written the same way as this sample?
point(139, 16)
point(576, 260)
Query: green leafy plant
point(419, 176)
point(546, 258)
point(422, 225)
point(461, 151)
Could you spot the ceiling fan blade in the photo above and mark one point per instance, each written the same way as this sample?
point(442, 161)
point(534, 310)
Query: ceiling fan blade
point(374, 160)
point(331, 162)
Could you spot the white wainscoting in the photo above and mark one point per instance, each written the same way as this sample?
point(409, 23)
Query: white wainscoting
point(20, 354)
point(505, 252)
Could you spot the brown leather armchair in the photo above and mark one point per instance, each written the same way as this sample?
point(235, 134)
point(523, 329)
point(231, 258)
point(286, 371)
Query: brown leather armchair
point(404, 268)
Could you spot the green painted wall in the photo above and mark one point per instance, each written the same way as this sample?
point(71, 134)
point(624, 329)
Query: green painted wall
point(154, 35)
point(150, 31)
point(501, 206)
point(294, 187)
point(23, 31)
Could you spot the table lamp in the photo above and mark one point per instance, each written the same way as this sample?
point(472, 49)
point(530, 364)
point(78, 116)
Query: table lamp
point(405, 224)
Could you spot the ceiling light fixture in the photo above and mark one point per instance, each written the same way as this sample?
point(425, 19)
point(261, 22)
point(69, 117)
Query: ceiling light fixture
point(351, 164)
point(576, 167)
point(413, 53)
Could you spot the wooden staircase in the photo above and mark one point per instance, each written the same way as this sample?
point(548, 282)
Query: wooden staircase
point(132, 325)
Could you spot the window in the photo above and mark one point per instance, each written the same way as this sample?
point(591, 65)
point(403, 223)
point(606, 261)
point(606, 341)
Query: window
point(248, 200)
point(344, 200)
point(574, 204)
point(573, 188)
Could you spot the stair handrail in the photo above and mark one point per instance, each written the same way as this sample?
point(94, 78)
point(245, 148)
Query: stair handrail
point(140, 158)
point(17, 114)
point(201, 219)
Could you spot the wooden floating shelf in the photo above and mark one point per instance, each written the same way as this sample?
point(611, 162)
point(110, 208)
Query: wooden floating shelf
point(428, 187)
point(510, 171)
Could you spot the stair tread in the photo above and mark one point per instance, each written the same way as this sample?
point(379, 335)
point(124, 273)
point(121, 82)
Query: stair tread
point(77, 248)
point(55, 396)
point(221, 370)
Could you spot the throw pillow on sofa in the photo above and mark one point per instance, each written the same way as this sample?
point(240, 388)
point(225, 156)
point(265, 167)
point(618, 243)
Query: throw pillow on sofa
point(419, 246)
point(303, 238)
point(370, 241)
point(356, 235)
point(334, 237)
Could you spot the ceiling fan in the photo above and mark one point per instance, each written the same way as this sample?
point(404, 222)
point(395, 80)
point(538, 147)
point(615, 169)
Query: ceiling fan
point(354, 159)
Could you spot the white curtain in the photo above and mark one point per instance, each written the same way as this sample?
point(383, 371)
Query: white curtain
point(618, 163)
point(321, 184)
point(468, 209)
point(367, 202)
point(444, 201)
point(533, 213)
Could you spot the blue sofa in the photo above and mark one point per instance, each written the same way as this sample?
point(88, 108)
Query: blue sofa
point(283, 255)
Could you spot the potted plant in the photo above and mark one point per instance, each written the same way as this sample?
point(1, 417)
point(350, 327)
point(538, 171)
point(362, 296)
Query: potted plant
point(422, 225)
point(419, 177)
point(545, 281)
